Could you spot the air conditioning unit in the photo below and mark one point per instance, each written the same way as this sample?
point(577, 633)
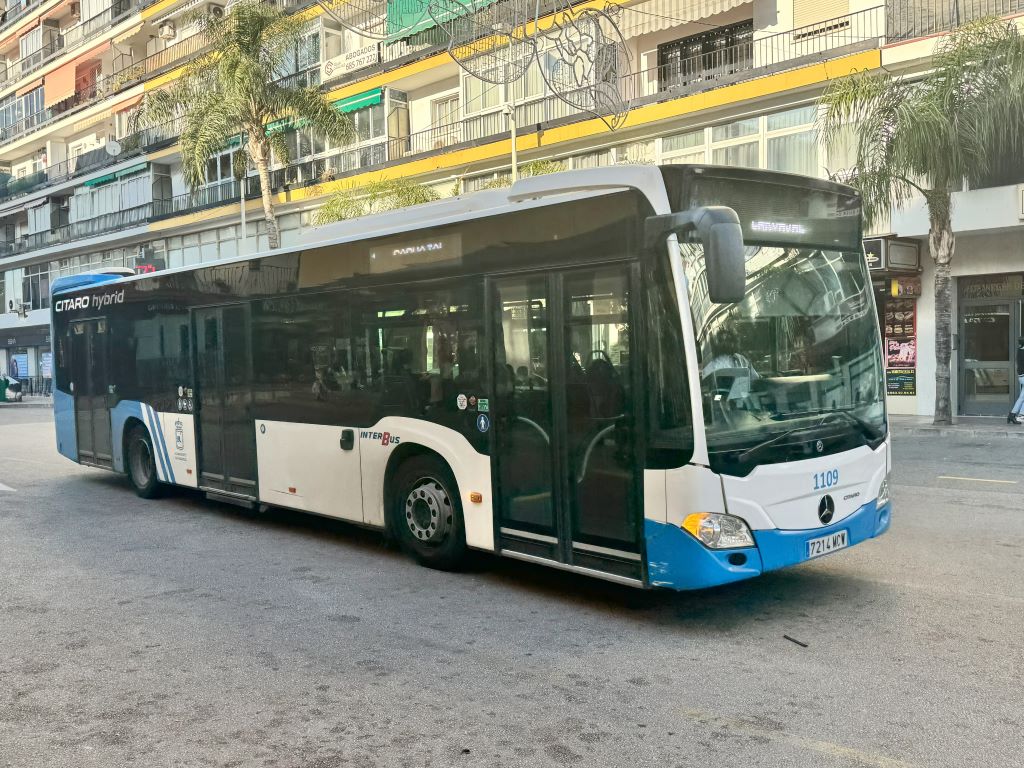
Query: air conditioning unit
point(166, 31)
point(76, 11)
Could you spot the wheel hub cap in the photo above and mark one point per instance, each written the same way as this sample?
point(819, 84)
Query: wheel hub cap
point(428, 511)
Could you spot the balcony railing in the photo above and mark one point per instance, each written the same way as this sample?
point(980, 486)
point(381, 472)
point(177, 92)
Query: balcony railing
point(15, 11)
point(67, 233)
point(907, 19)
point(101, 89)
point(74, 37)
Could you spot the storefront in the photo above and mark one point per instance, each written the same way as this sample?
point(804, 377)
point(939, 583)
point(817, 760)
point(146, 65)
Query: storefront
point(25, 354)
point(895, 278)
point(989, 330)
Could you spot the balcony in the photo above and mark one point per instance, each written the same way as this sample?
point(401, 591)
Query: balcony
point(15, 11)
point(74, 37)
point(68, 233)
point(101, 89)
point(908, 19)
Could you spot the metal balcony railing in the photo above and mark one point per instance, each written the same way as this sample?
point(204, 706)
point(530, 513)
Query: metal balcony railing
point(101, 89)
point(72, 38)
point(907, 19)
point(67, 233)
point(15, 11)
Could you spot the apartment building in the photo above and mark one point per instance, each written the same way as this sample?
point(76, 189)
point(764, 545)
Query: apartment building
point(719, 81)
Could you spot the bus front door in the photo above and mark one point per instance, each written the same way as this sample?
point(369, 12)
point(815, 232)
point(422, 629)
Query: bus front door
point(566, 483)
point(223, 368)
point(90, 388)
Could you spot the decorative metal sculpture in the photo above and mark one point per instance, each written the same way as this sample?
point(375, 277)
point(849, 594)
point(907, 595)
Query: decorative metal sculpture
point(580, 53)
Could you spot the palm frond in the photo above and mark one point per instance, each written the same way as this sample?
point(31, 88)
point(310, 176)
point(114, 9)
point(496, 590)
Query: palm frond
point(375, 197)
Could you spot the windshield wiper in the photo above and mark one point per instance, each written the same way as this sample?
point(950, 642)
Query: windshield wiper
point(866, 427)
point(753, 450)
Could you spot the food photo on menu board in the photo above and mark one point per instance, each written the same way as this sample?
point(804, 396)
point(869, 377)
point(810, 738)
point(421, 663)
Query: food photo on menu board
point(900, 318)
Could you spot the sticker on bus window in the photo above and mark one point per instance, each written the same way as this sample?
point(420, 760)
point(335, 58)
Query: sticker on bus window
point(461, 401)
point(483, 405)
point(483, 423)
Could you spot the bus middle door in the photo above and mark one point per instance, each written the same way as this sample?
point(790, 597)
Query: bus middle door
point(90, 386)
point(223, 370)
point(566, 486)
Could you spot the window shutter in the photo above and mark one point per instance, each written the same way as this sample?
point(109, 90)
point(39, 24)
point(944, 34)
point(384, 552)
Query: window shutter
point(809, 12)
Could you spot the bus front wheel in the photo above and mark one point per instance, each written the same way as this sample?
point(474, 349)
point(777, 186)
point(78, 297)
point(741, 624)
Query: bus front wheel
point(427, 516)
point(142, 465)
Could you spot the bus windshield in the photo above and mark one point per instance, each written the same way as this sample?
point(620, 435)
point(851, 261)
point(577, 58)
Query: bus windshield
point(793, 370)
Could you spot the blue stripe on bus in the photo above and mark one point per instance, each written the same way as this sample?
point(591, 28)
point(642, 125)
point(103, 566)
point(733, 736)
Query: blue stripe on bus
point(158, 443)
point(677, 560)
point(163, 446)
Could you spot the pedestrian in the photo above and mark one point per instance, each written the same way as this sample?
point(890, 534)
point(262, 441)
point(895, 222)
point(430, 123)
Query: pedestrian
point(1015, 416)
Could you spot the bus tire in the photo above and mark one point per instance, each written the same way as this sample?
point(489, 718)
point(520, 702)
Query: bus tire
point(141, 464)
point(427, 513)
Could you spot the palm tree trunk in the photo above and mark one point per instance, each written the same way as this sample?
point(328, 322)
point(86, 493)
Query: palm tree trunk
point(260, 153)
point(941, 242)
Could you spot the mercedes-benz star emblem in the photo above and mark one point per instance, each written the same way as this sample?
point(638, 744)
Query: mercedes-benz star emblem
point(820, 446)
point(826, 508)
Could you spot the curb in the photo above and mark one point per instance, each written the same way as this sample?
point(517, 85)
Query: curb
point(1008, 434)
point(47, 405)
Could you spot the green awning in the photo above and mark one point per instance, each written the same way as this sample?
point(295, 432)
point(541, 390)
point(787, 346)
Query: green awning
point(99, 180)
point(360, 100)
point(407, 17)
point(133, 169)
point(279, 126)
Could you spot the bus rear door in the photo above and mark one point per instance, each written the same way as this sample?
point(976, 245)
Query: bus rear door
point(89, 384)
point(565, 465)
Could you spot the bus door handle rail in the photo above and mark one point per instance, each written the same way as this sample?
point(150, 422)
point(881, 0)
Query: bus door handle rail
point(348, 439)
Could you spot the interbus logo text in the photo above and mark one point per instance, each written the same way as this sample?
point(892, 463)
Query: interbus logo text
point(89, 302)
point(386, 438)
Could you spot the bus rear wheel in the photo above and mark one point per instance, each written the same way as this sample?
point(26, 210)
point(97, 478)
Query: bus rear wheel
point(427, 513)
point(142, 464)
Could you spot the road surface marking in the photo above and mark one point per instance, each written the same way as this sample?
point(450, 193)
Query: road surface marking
point(814, 745)
point(977, 479)
point(5, 487)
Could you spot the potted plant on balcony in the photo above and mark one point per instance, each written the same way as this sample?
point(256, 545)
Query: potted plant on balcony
point(234, 92)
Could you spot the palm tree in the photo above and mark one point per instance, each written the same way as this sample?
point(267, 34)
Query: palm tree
point(925, 136)
point(235, 91)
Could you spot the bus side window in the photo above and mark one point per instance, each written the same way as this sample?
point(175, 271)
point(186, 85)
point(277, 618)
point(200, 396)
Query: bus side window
point(424, 351)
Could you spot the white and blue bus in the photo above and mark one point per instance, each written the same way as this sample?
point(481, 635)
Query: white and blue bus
point(665, 377)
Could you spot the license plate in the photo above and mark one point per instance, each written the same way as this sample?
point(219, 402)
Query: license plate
point(826, 544)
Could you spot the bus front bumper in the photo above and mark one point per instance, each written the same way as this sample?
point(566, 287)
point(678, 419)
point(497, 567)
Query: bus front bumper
point(677, 560)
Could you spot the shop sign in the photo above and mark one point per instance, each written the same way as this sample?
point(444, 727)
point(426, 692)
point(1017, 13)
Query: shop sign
point(31, 337)
point(883, 253)
point(992, 287)
point(873, 253)
point(351, 61)
point(901, 382)
point(905, 287)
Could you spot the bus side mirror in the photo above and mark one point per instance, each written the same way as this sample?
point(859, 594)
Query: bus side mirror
point(718, 228)
point(720, 232)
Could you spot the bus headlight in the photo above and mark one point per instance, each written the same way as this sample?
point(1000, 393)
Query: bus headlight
point(883, 491)
point(718, 531)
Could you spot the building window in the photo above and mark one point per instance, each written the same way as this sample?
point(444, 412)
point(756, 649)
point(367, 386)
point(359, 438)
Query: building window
point(792, 142)
point(35, 286)
point(706, 56)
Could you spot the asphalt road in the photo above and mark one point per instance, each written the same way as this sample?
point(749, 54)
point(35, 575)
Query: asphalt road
point(181, 632)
